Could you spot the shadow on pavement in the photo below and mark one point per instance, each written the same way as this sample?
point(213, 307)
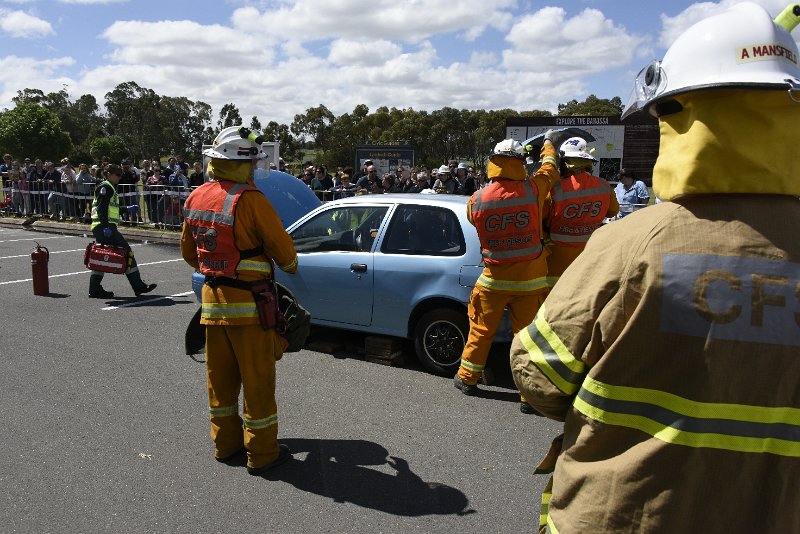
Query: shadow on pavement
point(344, 471)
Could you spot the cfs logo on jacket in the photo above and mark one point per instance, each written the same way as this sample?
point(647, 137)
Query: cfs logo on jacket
point(593, 209)
point(518, 219)
point(731, 298)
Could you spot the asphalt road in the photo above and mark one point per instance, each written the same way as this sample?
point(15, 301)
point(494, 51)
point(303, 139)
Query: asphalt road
point(107, 423)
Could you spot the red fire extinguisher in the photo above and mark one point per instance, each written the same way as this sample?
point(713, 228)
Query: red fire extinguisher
point(40, 256)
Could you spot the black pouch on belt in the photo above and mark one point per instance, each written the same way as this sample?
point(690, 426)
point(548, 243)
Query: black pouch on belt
point(266, 303)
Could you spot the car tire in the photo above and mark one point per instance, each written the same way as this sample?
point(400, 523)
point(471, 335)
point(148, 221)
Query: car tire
point(439, 339)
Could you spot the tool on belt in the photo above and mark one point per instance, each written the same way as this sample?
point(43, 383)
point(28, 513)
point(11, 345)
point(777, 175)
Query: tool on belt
point(265, 296)
point(106, 258)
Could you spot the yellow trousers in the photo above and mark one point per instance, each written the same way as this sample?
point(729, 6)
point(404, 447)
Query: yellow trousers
point(485, 315)
point(243, 357)
point(560, 258)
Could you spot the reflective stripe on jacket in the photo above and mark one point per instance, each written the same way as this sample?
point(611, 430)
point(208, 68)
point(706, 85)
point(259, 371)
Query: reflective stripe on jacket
point(210, 212)
point(113, 206)
point(580, 203)
point(506, 216)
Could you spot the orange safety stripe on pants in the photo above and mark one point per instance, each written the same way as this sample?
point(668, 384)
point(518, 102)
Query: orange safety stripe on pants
point(485, 313)
point(243, 357)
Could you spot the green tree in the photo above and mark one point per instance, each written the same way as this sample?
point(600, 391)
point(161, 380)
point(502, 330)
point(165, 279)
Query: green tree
point(113, 147)
point(31, 130)
point(314, 125)
point(133, 116)
point(591, 106)
point(289, 146)
point(255, 124)
point(184, 126)
point(228, 116)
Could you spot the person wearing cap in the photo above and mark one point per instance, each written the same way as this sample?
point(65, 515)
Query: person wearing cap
point(579, 202)
point(234, 236)
point(631, 193)
point(673, 355)
point(105, 218)
point(445, 183)
point(508, 216)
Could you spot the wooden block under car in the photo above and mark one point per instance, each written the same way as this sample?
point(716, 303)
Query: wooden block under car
point(381, 346)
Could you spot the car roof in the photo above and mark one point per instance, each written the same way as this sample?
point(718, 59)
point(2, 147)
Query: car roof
point(451, 201)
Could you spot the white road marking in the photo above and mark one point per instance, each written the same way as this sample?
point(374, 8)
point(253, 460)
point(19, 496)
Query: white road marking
point(85, 271)
point(148, 301)
point(56, 252)
point(41, 238)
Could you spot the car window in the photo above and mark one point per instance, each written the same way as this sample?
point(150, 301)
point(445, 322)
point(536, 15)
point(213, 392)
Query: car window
point(345, 228)
point(424, 230)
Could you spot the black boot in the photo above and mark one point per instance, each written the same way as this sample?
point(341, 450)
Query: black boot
point(96, 290)
point(146, 288)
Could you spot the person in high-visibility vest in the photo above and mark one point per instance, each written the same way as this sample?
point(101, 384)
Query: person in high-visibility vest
point(105, 218)
point(508, 218)
point(671, 348)
point(232, 235)
point(579, 202)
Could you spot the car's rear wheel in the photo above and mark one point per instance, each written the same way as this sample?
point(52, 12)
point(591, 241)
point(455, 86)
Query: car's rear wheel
point(439, 339)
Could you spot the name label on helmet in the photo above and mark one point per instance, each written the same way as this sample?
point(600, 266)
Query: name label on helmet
point(764, 52)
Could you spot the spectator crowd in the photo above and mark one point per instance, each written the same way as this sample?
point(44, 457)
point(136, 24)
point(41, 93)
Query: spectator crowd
point(155, 193)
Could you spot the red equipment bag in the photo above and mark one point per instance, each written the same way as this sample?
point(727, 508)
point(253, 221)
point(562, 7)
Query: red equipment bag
point(106, 258)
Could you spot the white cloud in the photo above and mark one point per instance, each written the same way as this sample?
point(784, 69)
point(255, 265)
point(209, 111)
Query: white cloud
point(92, 2)
point(21, 24)
point(363, 53)
point(672, 27)
point(411, 20)
point(549, 42)
point(26, 72)
point(185, 44)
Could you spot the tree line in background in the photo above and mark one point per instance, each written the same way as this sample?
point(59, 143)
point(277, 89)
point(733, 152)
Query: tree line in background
point(138, 123)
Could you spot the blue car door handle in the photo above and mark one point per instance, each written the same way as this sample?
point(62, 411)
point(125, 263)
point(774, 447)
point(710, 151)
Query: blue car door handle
point(358, 267)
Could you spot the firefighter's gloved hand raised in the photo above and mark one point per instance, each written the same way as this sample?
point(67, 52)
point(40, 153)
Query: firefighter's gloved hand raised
point(559, 135)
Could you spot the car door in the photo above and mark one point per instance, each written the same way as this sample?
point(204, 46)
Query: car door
point(335, 276)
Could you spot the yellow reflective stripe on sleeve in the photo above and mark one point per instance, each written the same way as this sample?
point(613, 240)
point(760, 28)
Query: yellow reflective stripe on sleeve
point(471, 366)
point(220, 310)
point(549, 354)
point(223, 411)
point(551, 528)
point(681, 421)
point(291, 265)
point(544, 511)
point(255, 424)
point(513, 285)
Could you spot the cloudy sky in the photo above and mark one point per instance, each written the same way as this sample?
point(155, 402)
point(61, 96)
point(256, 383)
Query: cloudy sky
point(276, 58)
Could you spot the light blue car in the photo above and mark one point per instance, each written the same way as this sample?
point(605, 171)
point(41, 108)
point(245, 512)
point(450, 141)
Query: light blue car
point(399, 265)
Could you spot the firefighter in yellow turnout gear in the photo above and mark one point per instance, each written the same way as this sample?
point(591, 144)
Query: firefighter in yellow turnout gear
point(508, 217)
point(673, 355)
point(578, 204)
point(232, 234)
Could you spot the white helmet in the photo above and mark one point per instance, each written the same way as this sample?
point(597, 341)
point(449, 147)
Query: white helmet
point(235, 142)
point(508, 147)
point(740, 47)
point(575, 147)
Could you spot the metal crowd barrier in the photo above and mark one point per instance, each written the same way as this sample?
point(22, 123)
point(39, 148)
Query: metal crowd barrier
point(158, 206)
